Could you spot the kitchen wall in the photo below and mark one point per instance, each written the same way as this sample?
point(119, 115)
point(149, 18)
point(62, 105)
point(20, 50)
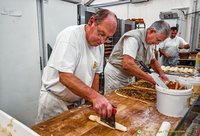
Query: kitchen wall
point(150, 10)
point(20, 74)
point(21, 48)
point(57, 16)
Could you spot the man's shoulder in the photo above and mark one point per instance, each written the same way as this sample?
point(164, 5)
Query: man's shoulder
point(137, 31)
point(136, 34)
point(178, 38)
point(71, 32)
point(167, 40)
point(73, 28)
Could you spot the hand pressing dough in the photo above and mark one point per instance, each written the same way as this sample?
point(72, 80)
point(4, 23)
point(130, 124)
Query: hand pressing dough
point(117, 125)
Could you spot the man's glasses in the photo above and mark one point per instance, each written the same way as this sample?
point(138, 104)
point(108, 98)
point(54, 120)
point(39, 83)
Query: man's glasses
point(101, 36)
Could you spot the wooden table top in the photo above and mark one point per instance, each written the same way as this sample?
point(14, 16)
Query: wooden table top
point(133, 114)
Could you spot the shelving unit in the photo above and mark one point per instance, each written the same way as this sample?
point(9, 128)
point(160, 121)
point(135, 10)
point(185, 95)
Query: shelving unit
point(108, 46)
point(139, 23)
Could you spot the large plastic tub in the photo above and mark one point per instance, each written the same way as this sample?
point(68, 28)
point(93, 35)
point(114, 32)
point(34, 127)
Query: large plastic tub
point(174, 103)
point(14, 127)
point(195, 82)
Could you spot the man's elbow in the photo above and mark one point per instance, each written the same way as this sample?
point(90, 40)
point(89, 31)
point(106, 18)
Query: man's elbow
point(125, 66)
point(63, 77)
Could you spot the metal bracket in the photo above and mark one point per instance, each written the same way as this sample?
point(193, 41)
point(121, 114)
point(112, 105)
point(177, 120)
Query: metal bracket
point(73, 1)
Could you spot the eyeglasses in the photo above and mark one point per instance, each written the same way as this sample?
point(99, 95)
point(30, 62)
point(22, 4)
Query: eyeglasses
point(102, 36)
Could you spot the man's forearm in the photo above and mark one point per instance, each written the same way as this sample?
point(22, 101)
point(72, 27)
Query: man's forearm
point(77, 86)
point(165, 54)
point(156, 67)
point(95, 84)
point(162, 52)
point(130, 65)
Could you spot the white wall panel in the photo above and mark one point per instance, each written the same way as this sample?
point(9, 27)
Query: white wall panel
point(20, 73)
point(57, 16)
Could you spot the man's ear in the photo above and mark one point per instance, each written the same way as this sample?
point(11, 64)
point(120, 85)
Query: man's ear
point(91, 21)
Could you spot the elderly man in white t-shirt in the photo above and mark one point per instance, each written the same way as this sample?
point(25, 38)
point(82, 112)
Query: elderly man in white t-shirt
point(171, 46)
point(135, 46)
point(72, 73)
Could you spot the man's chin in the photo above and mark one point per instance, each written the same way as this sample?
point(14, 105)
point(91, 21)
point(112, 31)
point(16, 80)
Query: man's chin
point(95, 44)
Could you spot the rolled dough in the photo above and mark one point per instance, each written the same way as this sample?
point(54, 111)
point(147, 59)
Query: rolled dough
point(117, 125)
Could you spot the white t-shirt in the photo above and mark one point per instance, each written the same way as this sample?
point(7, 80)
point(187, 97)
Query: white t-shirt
point(72, 54)
point(170, 46)
point(131, 48)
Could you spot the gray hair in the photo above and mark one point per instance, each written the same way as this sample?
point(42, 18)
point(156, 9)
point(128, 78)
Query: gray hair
point(161, 27)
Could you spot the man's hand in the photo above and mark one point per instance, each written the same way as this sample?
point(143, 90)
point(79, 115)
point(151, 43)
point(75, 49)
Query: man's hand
point(187, 46)
point(181, 47)
point(103, 106)
point(152, 81)
point(163, 77)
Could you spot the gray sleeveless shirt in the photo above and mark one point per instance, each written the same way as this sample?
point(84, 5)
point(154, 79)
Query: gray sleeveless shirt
point(145, 52)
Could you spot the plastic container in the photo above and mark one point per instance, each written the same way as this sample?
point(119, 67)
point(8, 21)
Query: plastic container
point(174, 103)
point(14, 127)
point(195, 82)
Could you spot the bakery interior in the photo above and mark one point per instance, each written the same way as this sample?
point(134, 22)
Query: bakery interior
point(28, 34)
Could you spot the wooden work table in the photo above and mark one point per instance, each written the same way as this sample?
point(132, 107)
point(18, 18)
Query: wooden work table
point(131, 113)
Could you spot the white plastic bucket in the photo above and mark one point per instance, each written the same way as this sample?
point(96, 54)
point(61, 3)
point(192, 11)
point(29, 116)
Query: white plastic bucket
point(174, 103)
point(195, 82)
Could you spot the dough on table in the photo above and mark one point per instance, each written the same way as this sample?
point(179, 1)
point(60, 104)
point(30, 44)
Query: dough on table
point(190, 70)
point(176, 69)
point(180, 70)
point(167, 68)
point(185, 70)
point(117, 125)
point(172, 69)
point(162, 67)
